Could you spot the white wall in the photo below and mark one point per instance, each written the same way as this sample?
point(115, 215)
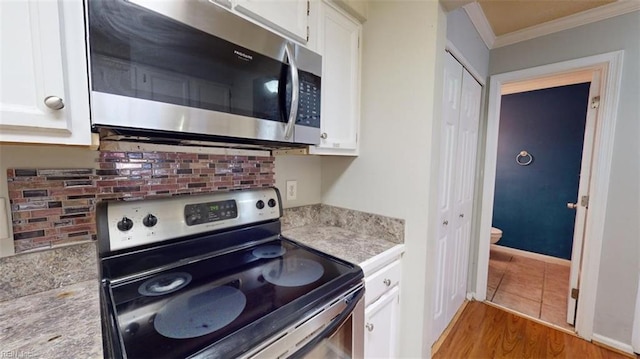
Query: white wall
point(618, 278)
point(464, 36)
point(36, 157)
point(306, 170)
point(403, 51)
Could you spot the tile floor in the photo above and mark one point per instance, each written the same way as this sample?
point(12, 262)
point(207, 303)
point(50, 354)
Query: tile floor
point(529, 286)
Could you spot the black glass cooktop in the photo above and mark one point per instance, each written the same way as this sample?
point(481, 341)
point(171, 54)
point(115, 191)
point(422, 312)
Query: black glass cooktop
point(225, 305)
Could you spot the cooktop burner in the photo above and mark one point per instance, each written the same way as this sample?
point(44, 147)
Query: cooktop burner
point(199, 312)
point(164, 284)
point(269, 251)
point(293, 272)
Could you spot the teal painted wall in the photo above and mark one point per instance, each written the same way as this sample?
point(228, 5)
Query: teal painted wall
point(530, 201)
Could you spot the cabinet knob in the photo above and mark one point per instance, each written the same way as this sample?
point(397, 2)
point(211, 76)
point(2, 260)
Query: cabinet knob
point(324, 136)
point(54, 102)
point(445, 223)
point(387, 282)
point(369, 327)
point(461, 215)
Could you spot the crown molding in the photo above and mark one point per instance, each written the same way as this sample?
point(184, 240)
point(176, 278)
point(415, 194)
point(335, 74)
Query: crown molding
point(582, 18)
point(479, 20)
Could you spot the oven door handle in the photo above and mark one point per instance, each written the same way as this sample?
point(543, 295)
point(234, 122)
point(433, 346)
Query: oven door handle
point(333, 327)
point(295, 90)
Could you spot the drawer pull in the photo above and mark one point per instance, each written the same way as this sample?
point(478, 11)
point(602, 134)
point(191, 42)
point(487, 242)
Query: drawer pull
point(369, 327)
point(387, 282)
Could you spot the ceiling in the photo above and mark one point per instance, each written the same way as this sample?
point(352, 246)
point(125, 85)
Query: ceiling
point(507, 16)
point(504, 22)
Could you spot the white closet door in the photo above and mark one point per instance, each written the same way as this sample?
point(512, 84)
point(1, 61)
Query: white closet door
point(460, 117)
point(449, 130)
point(465, 165)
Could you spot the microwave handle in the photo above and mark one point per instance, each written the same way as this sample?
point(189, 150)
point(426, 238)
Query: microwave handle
point(295, 91)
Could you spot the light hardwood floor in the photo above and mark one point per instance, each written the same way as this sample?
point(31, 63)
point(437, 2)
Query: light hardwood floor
point(483, 331)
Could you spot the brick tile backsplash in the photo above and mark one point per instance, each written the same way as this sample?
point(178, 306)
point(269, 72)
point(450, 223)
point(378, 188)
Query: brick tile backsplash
point(56, 206)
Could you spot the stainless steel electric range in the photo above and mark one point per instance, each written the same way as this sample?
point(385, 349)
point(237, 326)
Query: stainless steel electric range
point(210, 276)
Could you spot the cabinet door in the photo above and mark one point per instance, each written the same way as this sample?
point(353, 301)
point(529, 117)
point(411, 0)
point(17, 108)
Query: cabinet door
point(289, 16)
point(339, 40)
point(381, 326)
point(43, 57)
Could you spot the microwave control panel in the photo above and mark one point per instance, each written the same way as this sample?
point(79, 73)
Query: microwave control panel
point(309, 100)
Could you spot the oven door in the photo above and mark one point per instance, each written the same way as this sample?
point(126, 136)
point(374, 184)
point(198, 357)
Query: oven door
point(194, 68)
point(335, 331)
point(345, 341)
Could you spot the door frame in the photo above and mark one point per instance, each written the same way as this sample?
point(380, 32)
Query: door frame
point(611, 66)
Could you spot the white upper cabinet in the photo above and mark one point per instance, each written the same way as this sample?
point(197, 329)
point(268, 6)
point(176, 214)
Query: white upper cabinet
point(44, 94)
point(339, 45)
point(356, 8)
point(288, 16)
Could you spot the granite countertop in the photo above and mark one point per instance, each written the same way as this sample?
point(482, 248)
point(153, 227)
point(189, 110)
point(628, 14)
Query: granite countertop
point(65, 322)
point(58, 323)
point(342, 243)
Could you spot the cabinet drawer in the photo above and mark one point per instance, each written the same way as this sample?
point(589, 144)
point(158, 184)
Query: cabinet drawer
point(381, 281)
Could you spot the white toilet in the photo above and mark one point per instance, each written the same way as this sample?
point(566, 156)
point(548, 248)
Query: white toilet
point(496, 234)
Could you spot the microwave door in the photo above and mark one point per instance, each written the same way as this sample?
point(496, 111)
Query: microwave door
point(150, 71)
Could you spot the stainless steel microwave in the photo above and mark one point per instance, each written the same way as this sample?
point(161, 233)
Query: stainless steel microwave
point(191, 69)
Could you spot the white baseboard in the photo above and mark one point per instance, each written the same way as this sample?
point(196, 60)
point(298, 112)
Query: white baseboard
point(532, 255)
point(625, 348)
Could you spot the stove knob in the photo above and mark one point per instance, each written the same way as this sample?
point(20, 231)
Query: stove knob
point(191, 220)
point(125, 224)
point(150, 220)
point(272, 203)
point(260, 204)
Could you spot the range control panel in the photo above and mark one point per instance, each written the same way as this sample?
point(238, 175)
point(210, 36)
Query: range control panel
point(124, 224)
point(210, 212)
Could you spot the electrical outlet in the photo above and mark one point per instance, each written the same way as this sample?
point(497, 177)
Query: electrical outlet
point(292, 190)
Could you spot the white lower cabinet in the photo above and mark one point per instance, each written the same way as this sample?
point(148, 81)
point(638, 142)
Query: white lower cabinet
point(381, 326)
point(382, 312)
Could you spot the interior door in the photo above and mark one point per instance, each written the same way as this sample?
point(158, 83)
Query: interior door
point(581, 205)
point(467, 143)
point(460, 116)
point(449, 130)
